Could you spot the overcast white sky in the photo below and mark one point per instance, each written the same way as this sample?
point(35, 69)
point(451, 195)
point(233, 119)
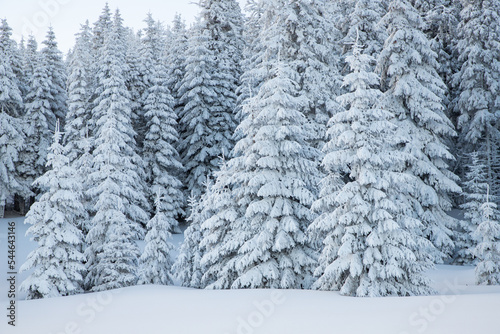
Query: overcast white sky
point(66, 16)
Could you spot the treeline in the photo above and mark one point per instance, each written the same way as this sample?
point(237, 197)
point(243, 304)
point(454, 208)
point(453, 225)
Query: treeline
point(319, 143)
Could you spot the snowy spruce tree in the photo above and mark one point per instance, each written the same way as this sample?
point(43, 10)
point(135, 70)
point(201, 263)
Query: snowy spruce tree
point(101, 27)
point(29, 61)
point(487, 250)
point(84, 168)
point(413, 92)
point(39, 121)
point(79, 85)
point(11, 134)
point(187, 267)
point(156, 262)
point(149, 50)
point(117, 187)
point(313, 39)
point(274, 195)
point(370, 246)
point(220, 239)
point(56, 72)
point(477, 86)
point(475, 192)
point(208, 89)
point(273, 171)
point(250, 80)
point(174, 59)
point(9, 48)
point(197, 97)
point(317, 58)
point(58, 261)
point(276, 172)
point(136, 81)
point(364, 27)
point(153, 38)
point(160, 155)
point(441, 18)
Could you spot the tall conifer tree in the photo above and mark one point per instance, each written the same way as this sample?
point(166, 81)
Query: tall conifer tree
point(414, 93)
point(208, 89)
point(477, 101)
point(117, 178)
point(56, 72)
point(58, 261)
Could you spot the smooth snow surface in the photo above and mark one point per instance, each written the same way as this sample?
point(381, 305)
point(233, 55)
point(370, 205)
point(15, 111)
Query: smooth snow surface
point(460, 307)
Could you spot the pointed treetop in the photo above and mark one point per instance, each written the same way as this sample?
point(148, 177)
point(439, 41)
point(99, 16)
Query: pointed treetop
point(5, 36)
point(178, 23)
point(32, 44)
point(118, 20)
point(50, 39)
point(105, 13)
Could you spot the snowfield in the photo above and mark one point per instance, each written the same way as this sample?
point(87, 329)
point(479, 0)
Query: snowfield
point(459, 308)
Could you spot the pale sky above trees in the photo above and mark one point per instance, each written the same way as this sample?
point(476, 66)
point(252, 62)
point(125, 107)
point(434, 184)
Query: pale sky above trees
point(35, 16)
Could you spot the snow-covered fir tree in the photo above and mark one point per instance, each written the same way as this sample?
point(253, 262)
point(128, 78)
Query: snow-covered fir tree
point(152, 40)
point(477, 83)
point(137, 81)
point(413, 92)
point(364, 27)
point(15, 58)
point(117, 180)
point(79, 85)
point(475, 192)
point(149, 50)
point(317, 57)
point(197, 97)
point(57, 261)
point(208, 90)
point(273, 171)
point(441, 18)
point(440, 25)
point(56, 72)
point(11, 99)
point(174, 59)
point(187, 267)
point(156, 262)
point(313, 39)
point(225, 21)
point(160, 155)
point(39, 120)
point(276, 173)
point(101, 27)
point(220, 239)
point(29, 61)
point(370, 246)
point(11, 141)
point(250, 80)
point(84, 168)
point(487, 250)
point(11, 134)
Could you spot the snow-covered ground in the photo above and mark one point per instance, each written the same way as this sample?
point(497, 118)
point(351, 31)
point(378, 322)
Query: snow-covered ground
point(460, 308)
